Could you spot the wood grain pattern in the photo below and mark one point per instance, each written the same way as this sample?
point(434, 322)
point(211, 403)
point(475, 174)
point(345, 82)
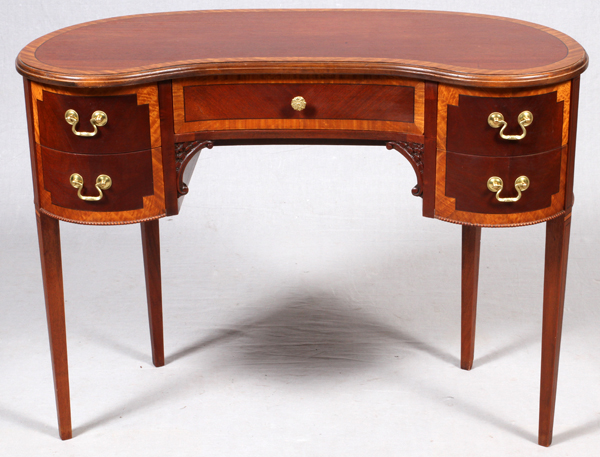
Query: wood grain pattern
point(68, 209)
point(194, 43)
point(31, 135)
point(153, 206)
point(298, 136)
point(131, 175)
point(555, 277)
point(332, 107)
point(147, 95)
point(429, 153)
point(470, 133)
point(450, 96)
point(207, 102)
point(370, 77)
point(167, 134)
point(572, 143)
point(151, 252)
point(49, 240)
point(446, 206)
point(471, 243)
point(127, 129)
point(467, 176)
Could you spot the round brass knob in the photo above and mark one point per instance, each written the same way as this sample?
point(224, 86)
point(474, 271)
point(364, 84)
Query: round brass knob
point(298, 103)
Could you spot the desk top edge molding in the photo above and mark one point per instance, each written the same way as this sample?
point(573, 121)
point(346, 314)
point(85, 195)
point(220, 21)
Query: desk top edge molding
point(298, 55)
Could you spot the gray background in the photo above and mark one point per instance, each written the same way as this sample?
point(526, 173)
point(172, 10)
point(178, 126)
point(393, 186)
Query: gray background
point(309, 308)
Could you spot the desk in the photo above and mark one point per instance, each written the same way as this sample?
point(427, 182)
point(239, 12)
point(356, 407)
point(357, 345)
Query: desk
point(483, 108)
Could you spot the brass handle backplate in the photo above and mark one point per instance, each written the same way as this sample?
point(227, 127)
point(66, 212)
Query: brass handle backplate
point(495, 184)
point(298, 103)
point(98, 119)
point(103, 182)
point(496, 120)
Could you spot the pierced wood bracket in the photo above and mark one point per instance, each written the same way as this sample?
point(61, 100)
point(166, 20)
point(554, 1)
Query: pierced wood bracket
point(414, 153)
point(184, 153)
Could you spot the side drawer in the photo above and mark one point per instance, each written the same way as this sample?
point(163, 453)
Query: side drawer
point(132, 119)
point(131, 176)
point(469, 131)
point(136, 192)
point(463, 115)
point(467, 177)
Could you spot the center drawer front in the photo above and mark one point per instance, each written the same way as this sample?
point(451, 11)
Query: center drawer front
point(323, 101)
point(264, 102)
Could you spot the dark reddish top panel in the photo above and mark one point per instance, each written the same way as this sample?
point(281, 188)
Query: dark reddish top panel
point(450, 47)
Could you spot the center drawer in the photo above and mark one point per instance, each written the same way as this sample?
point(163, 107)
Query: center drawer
point(278, 102)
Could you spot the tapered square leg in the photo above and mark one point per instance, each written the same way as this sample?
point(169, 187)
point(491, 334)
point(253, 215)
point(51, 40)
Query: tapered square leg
point(49, 239)
point(151, 249)
point(555, 275)
point(471, 241)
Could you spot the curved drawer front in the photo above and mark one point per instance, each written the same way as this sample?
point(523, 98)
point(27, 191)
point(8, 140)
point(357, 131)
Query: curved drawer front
point(136, 190)
point(470, 132)
point(131, 119)
point(265, 103)
point(463, 116)
point(467, 177)
point(131, 177)
point(470, 151)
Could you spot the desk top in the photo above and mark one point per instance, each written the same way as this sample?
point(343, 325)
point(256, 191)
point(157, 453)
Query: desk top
point(457, 48)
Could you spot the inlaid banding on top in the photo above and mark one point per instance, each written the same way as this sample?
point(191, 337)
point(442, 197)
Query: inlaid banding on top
point(146, 48)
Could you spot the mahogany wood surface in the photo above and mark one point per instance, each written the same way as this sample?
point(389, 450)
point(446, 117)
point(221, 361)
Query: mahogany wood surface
point(323, 101)
point(339, 102)
point(124, 119)
point(467, 176)
point(429, 154)
point(131, 175)
point(422, 83)
point(555, 278)
point(49, 240)
point(168, 146)
point(473, 182)
point(569, 198)
point(470, 133)
point(160, 46)
point(127, 130)
point(471, 242)
point(151, 251)
point(32, 135)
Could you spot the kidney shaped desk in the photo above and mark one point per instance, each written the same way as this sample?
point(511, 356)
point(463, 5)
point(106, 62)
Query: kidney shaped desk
point(484, 109)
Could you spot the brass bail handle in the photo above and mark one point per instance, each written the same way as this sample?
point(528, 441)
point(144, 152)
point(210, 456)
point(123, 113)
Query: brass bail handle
point(103, 182)
point(495, 184)
point(98, 119)
point(496, 120)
